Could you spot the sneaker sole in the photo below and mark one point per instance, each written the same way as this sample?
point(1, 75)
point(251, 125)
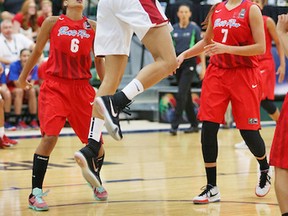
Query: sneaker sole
point(38, 209)
point(260, 195)
point(206, 201)
point(87, 174)
point(112, 129)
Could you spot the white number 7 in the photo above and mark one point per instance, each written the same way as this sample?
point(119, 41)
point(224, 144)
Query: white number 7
point(225, 32)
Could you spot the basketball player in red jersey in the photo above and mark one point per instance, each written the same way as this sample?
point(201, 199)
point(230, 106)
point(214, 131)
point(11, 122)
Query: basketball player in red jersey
point(267, 68)
point(279, 148)
point(234, 37)
point(65, 92)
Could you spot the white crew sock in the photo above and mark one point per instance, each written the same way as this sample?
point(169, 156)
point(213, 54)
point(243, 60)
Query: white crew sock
point(95, 130)
point(133, 88)
point(2, 131)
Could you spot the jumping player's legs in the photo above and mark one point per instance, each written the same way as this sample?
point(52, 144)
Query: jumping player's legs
point(150, 25)
point(159, 42)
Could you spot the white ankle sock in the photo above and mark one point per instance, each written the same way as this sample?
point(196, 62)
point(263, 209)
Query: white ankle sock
point(133, 88)
point(2, 131)
point(95, 130)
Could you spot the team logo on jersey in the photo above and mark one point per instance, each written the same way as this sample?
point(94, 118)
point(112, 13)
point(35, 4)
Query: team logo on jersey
point(242, 13)
point(64, 30)
point(253, 121)
point(86, 25)
point(226, 23)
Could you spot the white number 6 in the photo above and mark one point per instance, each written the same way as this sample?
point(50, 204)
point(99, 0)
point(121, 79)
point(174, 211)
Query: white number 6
point(74, 45)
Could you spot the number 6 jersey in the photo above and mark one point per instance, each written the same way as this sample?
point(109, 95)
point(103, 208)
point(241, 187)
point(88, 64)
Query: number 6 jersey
point(70, 46)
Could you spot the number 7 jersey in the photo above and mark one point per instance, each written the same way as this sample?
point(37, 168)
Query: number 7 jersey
point(70, 49)
point(231, 27)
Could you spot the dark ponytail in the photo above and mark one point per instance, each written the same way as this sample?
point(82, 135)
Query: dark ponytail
point(211, 11)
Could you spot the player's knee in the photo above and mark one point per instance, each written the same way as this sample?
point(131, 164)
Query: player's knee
point(170, 65)
point(209, 141)
point(255, 142)
point(269, 106)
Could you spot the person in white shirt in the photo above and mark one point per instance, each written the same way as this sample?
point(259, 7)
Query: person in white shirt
point(11, 44)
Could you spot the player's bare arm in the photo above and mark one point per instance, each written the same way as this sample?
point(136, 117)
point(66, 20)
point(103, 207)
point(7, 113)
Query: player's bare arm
point(271, 26)
point(199, 47)
point(42, 39)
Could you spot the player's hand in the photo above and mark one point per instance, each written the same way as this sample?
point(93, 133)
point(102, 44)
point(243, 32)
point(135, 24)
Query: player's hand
point(281, 72)
point(214, 48)
point(180, 59)
point(23, 83)
point(282, 24)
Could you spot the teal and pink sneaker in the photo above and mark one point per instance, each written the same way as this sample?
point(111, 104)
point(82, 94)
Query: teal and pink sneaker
point(36, 201)
point(100, 193)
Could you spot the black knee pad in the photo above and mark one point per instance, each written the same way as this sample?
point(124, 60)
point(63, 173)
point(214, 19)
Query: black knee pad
point(209, 141)
point(268, 106)
point(254, 142)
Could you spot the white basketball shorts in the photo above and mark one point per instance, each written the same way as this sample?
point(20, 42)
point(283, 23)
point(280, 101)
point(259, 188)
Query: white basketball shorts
point(117, 20)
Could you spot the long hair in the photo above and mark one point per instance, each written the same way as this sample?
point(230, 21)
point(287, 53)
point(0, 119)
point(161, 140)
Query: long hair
point(28, 21)
point(211, 11)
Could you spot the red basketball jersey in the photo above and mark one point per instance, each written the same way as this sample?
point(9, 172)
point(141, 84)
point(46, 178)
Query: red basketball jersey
point(268, 38)
point(231, 27)
point(70, 47)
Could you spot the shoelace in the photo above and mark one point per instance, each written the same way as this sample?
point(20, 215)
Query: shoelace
point(100, 189)
point(126, 109)
point(206, 189)
point(264, 178)
point(39, 196)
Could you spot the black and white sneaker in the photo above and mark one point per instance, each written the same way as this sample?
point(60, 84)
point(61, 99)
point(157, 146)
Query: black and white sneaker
point(110, 113)
point(89, 165)
point(264, 184)
point(210, 194)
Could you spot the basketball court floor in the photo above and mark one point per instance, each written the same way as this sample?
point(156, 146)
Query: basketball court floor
point(149, 172)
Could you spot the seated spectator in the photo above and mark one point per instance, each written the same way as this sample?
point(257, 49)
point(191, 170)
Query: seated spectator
point(10, 8)
point(11, 44)
point(4, 140)
point(6, 95)
point(20, 94)
point(25, 21)
point(46, 11)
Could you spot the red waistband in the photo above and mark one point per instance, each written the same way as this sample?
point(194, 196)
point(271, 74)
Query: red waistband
point(67, 81)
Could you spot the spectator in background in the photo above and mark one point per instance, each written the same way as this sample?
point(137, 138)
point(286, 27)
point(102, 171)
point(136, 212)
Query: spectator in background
point(185, 35)
point(4, 140)
point(11, 7)
point(6, 94)
point(279, 148)
point(46, 11)
point(20, 94)
point(25, 21)
point(11, 44)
